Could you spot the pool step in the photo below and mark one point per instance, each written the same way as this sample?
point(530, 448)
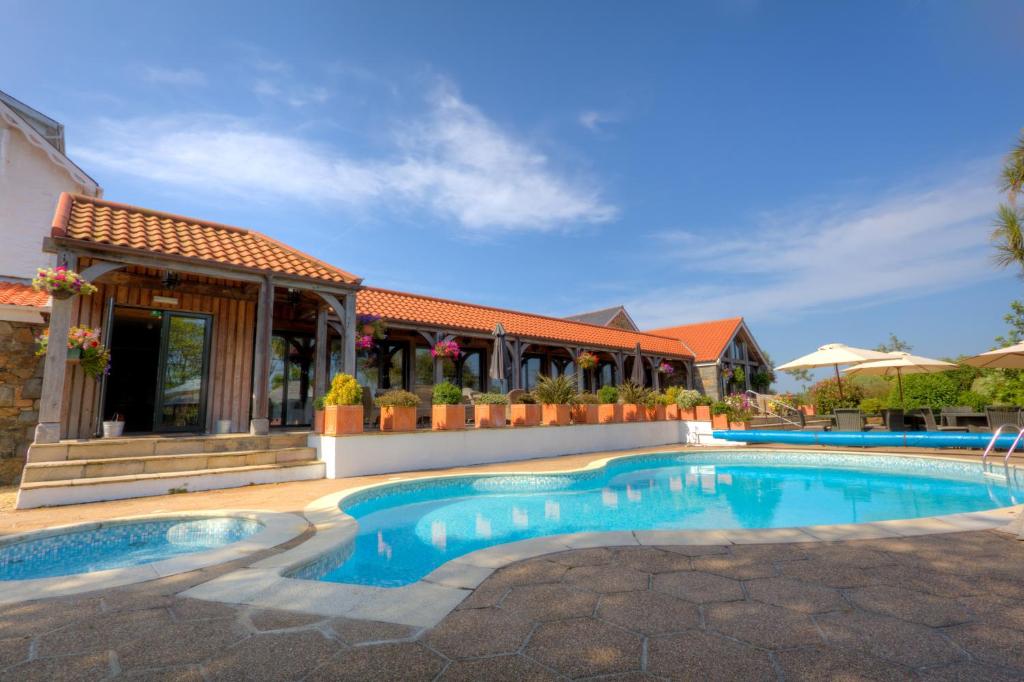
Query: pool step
point(145, 446)
point(37, 472)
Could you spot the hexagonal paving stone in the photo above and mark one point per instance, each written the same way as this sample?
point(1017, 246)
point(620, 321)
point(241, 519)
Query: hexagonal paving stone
point(695, 550)
point(699, 588)
point(196, 609)
point(355, 631)
point(795, 595)
point(771, 552)
point(290, 655)
point(970, 672)
point(38, 617)
point(14, 650)
point(829, 663)
point(705, 656)
point(649, 613)
point(527, 573)
point(734, 567)
point(188, 673)
point(479, 632)
point(606, 579)
point(828, 573)
point(178, 643)
point(905, 604)
point(988, 644)
point(652, 560)
point(484, 596)
point(94, 666)
point(511, 668)
point(584, 647)
point(1005, 613)
point(102, 632)
point(851, 553)
point(596, 556)
point(763, 625)
point(273, 619)
point(923, 580)
point(888, 638)
point(408, 662)
point(549, 602)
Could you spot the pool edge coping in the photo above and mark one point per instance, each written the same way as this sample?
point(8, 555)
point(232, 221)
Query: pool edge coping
point(277, 528)
point(424, 603)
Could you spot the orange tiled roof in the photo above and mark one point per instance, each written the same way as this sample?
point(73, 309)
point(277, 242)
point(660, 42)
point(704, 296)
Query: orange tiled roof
point(438, 312)
point(105, 222)
point(12, 293)
point(706, 339)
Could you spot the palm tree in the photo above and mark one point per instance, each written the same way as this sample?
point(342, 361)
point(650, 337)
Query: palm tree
point(1008, 235)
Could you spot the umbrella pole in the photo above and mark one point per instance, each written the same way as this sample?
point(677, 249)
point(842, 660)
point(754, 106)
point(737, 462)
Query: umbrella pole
point(899, 380)
point(839, 382)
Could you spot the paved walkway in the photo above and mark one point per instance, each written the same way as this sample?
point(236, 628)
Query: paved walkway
point(943, 607)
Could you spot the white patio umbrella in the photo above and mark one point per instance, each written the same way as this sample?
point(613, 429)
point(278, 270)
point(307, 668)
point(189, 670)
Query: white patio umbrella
point(1011, 357)
point(900, 364)
point(833, 355)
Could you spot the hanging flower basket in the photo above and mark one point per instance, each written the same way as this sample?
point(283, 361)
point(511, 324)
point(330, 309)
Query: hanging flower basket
point(364, 342)
point(61, 283)
point(666, 368)
point(446, 349)
point(586, 360)
point(372, 326)
point(84, 348)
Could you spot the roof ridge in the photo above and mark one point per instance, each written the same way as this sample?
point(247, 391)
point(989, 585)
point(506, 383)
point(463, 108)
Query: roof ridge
point(737, 319)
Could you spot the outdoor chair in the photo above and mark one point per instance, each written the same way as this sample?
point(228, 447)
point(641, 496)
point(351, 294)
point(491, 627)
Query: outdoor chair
point(999, 416)
point(930, 425)
point(849, 419)
point(894, 420)
point(801, 419)
point(946, 412)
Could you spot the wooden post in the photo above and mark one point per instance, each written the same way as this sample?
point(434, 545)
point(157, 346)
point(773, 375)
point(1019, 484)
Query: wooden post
point(349, 342)
point(655, 374)
point(259, 424)
point(517, 370)
point(322, 364)
point(619, 378)
point(580, 383)
point(52, 397)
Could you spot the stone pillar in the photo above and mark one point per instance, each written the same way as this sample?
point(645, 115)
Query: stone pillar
point(259, 424)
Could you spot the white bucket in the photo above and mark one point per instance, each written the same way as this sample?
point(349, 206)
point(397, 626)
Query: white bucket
point(223, 426)
point(113, 429)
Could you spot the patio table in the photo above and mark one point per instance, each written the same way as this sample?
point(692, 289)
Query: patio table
point(967, 419)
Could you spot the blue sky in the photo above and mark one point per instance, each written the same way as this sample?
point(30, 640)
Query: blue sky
point(827, 170)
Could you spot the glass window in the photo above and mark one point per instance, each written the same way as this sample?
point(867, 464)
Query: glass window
point(530, 369)
point(606, 374)
point(424, 367)
point(472, 369)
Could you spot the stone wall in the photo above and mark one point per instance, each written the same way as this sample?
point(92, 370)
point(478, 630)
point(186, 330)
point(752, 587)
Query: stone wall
point(21, 380)
point(707, 380)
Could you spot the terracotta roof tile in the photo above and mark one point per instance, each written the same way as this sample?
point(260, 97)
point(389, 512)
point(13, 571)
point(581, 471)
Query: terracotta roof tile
point(105, 222)
point(12, 293)
point(437, 312)
point(706, 339)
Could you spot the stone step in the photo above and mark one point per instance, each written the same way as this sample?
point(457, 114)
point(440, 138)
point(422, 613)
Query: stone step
point(36, 472)
point(79, 490)
point(146, 446)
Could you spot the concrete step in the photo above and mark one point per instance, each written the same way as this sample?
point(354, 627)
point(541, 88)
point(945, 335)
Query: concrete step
point(146, 446)
point(79, 490)
point(65, 470)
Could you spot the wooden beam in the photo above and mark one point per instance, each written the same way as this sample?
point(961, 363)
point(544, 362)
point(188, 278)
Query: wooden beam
point(321, 367)
point(242, 292)
point(348, 344)
point(51, 399)
point(259, 423)
point(98, 269)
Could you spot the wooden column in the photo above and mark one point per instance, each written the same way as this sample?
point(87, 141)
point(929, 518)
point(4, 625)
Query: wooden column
point(655, 375)
point(619, 378)
point(580, 383)
point(52, 397)
point(259, 424)
point(517, 359)
point(348, 344)
point(323, 356)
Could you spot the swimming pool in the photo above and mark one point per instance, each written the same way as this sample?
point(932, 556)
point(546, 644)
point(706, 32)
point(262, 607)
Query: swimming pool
point(119, 545)
point(406, 530)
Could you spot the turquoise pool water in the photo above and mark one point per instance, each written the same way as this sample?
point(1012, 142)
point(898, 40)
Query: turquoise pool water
point(119, 545)
point(406, 530)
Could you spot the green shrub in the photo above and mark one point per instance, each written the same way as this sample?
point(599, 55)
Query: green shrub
point(873, 405)
point(705, 400)
point(672, 392)
point(688, 399)
point(525, 398)
point(762, 381)
point(559, 390)
point(870, 386)
point(587, 399)
point(397, 398)
point(447, 393)
point(974, 400)
point(664, 399)
point(345, 390)
point(720, 407)
point(633, 394)
point(608, 395)
point(739, 376)
point(938, 390)
point(491, 399)
point(320, 402)
point(825, 395)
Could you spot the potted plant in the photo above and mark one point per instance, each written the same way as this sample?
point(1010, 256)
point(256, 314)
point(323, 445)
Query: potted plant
point(634, 401)
point(720, 412)
point(656, 408)
point(114, 427)
point(343, 406)
point(586, 409)
point(609, 411)
point(446, 349)
point(687, 400)
point(525, 410)
point(318, 413)
point(670, 398)
point(397, 410)
point(741, 410)
point(555, 396)
point(703, 408)
point(61, 283)
point(489, 410)
point(84, 349)
point(448, 413)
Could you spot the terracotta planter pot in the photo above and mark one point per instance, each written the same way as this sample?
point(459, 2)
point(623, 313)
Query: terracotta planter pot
point(489, 416)
point(340, 420)
point(554, 415)
point(739, 426)
point(672, 412)
point(689, 414)
point(703, 413)
point(448, 417)
point(654, 413)
point(720, 421)
point(398, 419)
point(525, 415)
point(609, 413)
point(318, 421)
point(631, 412)
point(808, 410)
point(585, 414)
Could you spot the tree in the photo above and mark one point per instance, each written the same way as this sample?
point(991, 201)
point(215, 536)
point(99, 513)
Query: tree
point(801, 375)
point(895, 345)
point(1008, 235)
point(1014, 318)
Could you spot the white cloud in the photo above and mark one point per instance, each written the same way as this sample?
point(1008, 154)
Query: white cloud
point(594, 120)
point(189, 77)
point(454, 162)
point(896, 247)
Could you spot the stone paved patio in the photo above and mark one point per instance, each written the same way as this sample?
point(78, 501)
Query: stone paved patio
point(942, 607)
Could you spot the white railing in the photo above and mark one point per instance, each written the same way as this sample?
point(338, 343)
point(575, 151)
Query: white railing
point(771, 403)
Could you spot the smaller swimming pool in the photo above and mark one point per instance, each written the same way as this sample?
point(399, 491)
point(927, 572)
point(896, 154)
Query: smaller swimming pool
point(119, 545)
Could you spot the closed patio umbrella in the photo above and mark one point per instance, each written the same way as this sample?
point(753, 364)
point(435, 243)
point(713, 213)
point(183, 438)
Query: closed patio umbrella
point(833, 355)
point(900, 364)
point(638, 367)
point(497, 368)
point(1011, 357)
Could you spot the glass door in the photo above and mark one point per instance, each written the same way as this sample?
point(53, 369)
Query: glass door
point(184, 357)
point(292, 361)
